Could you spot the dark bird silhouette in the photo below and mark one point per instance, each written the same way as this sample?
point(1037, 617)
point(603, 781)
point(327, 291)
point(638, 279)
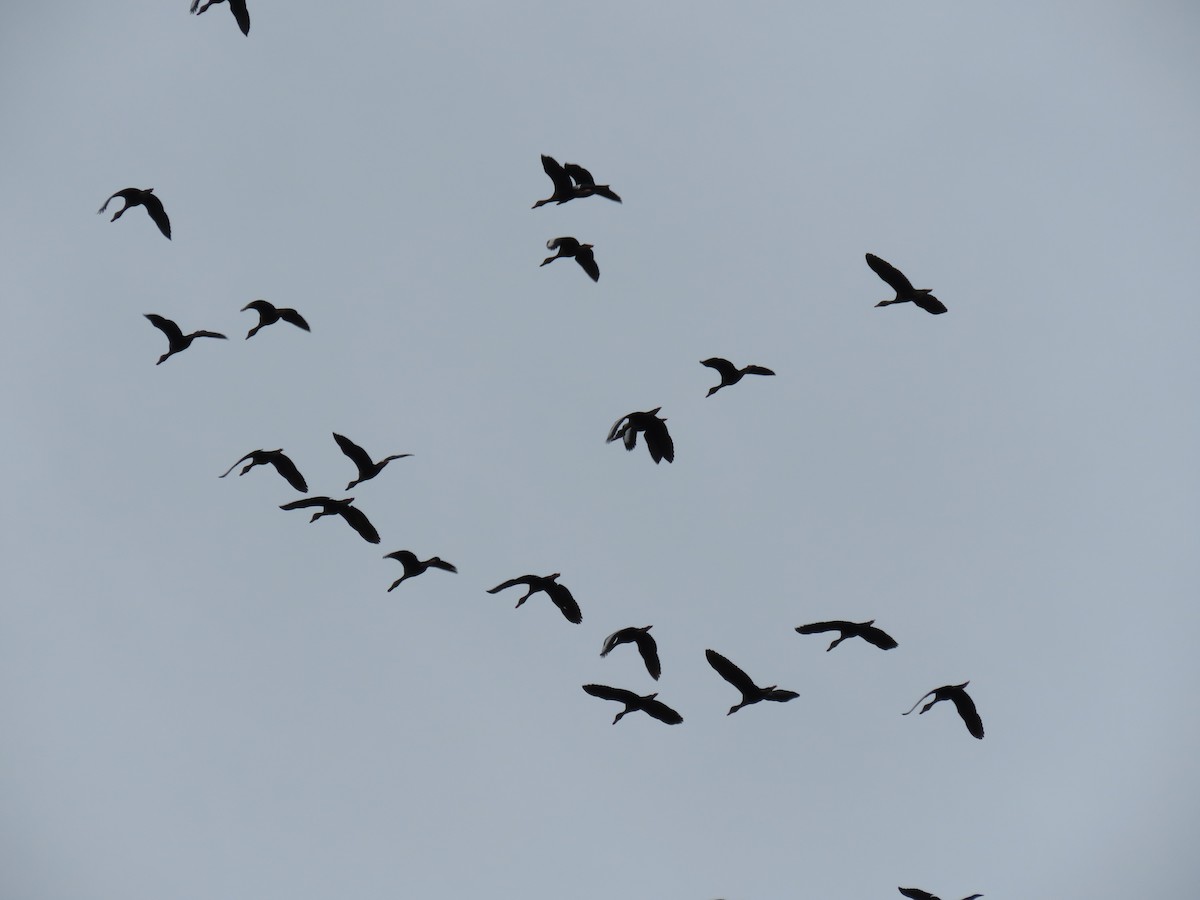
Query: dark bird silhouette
point(918, 894)
point(634, 702)
point(730, 374)
point(658, 439)
point(141, 197)
point(905, 292)
point(354, 516)
point(237, 7)
point(570, 182)
point(962, 702)
point(645, 643)
point(269, 314)
point(558, 593)
point(414, 567)
point(366, 468)
point(177, 341)
point(751, 692)
point(282, 464)
point(865, 630)
point(568, 246)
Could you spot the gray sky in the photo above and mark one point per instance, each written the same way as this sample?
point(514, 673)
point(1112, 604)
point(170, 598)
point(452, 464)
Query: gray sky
point(206, 697)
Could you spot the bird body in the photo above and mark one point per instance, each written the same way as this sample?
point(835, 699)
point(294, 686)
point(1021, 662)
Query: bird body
point(558, 593)
point(572, 181)
point(282, 464)
point(354, 516)
point(367, 468)
point(269, 314)
point(143, 197)
point(634, 703)
point(658, 439)
point(956, 694)
point(237, 7)
point(730, 374)
point(865, 630)
point(570, 247)
point(177, 341)
point(414, 567)
point(905, 292)
point(751, 692)
point(646, 645)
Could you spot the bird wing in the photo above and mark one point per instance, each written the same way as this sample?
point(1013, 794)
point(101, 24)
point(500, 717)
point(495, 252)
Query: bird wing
point(357, 454)
point(916, 894)
point(562, 181)
point(970, 716)
point(264, 308)
point(155, 208)
point(648, 647)
point(406, 558)
point(167, 327)
point(242, 460)
point(439, 563)
point(307, 502)
point(929, 303)
point(288, 470)
point(578, 174)
point(731, 673)
point(658, 441)
point(526, 580)
point(108, 201)
point(358, 520)
point(211, 334)
point(613, 640)
point(918, 703)
point(565, 602)
point(617, 431)
point(757, 370)
point(818, 627)
point(568, 246)
point(587, 261)
point(604, 692)
point(780, 696)
point(889, 273)
point(603, 190)
point(727, 370)
point(661, 711)
point(878, 637)
point(238, 8)
point(294, 318)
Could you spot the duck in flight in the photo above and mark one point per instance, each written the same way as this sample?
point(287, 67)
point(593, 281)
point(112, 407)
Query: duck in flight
point(572, 181)
point(269, 314)
point(646, 645)
point(367, 468)
point(918, 894)
point(905, 292)
point(177, 341)
point(957, 695)
point(558, 593)
point(634, 703)
point(568, 247)
point(414, 567)
point(237, 7)
point(145, 198)
point(865, 630)
point(282, 464)
point(730, 374)
point(751, 692)
point(354, 516)
point(658, 439)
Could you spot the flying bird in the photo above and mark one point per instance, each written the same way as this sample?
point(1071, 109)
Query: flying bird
point(645, 643)
point(634, 702)
point(865, 630)
point(957, 694)
point(918, 894)
point(414, 567)
point(658, 439)
point(585, 185)
point(570, 182)
point(905, 292)
point(558, 593)
point(568, 246)
point(282, 464)
point(177, 341)
point(366, 468)
point(354, 516)
point(237, 7)
point(751, 692)
point(730, 374)
point(141, 197)
point(269, 314)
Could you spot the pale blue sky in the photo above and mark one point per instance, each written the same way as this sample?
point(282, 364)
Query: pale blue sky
point(206, 697)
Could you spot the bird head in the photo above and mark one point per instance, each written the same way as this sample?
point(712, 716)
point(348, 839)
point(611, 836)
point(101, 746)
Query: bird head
point(162, 359)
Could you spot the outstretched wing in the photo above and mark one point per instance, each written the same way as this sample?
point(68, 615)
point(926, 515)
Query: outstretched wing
point(587, 260)
point(615, 639)
point(604, 692)
point(916, 894)
point(970, 716)
point(780, 696)
point(406, 558)
point(155, 208)
point(889, 273)
point(658, 441)
point(727, 370)
point(238, 8)
point(757, 370)
point(438, 563)
point(357, 454)
point(565, 602)
point(357, 520)
point(878, 637)
point(731, 673)
point(294, 318)
point(819, 627)
point(617, 431)
point(578, 174)
point(649, 649)
point(929, 303)
point(307, 502)
point(526, 580)
point(562, 181)
point(661, 711)
point(288, 470)
point(242, 460)
point(167, 327)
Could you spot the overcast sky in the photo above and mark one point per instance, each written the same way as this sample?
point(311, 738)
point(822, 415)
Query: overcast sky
point(205, 697)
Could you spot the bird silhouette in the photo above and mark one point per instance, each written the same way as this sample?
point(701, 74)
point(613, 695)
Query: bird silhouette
point(658, 439)
point(141, 197)
point(571, 182)
point(269, 314)
point(177, 341)
point(962, 702)
point(237, 7)
point(751, 692)
point(282, 464)
point(918, 894)
point(366, 468)
point(568, 246)
point(645, 643)
point(730, 374)
point(864, 630)
point(905, 292)
point(634, 702)
point(414, 567)
point(558, 593)
point(354, 516)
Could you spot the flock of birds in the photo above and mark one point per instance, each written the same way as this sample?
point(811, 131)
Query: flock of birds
point(570, 182)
